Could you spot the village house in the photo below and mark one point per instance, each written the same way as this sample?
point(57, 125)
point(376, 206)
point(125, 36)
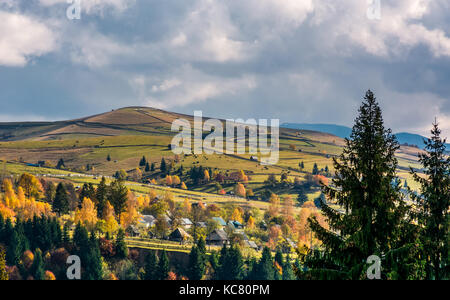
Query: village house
point(217, 238)
point(179, 235)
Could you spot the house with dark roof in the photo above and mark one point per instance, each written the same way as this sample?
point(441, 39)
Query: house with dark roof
point(179, 235)
point(217, 238)
point(251, 244)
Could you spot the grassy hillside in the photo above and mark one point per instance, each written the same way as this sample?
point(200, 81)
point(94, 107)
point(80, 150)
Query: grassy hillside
point(128, 134)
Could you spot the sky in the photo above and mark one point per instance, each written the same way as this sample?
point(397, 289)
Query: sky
point(304, 61)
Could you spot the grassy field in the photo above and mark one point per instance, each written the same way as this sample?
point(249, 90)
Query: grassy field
point(128, 134)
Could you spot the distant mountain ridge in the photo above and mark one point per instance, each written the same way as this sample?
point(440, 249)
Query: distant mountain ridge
point(344, 132)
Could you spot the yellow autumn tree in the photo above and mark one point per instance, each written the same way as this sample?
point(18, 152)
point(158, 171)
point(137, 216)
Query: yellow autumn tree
point(176, 180)
point(237, 215)
point(32, 187)
point(131, 215)
point(274, 207)
point(111, 225)
point(87, 215)
point(206, 176)
point(10, 197)
point(242, 177)
point(21, 197)
point(251, 223)
point(183, 186)
point(187, 206)
point(288, 206)
point(169, 180)
point(240, 190)
point(6, 212)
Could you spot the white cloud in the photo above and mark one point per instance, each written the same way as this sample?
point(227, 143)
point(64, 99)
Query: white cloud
point(187, 86)
point(22, 38)
point(92, 49)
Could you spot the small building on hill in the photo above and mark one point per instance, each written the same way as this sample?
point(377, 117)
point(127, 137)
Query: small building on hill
point(186, 223)
point(217, 238)
point(147, 221)
point(179, 235)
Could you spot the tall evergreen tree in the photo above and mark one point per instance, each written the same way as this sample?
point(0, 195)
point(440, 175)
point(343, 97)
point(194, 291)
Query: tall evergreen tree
point(101, 197)
point(315, 169)
point(163, 266)
point(61, 202)
point(364, 187)
point(93, 267)
point(433, 206)
point(150, 266)
point(120, 245)
point(288, 273)
point(118, 195)
point(231, 264)
point(37, 269)
point(143, 161)
point(15, 249)
point(264, 269)
point(196, 268)
point(163, 166)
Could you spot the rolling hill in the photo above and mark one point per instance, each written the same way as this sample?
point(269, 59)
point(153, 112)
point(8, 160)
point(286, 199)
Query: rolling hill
point(344, 132)
point(126, 135)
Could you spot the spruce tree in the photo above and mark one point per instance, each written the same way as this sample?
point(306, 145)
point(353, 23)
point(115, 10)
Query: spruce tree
point(196, 267)
point(264, 270)
point(37, 269)
point(101, 197)
point(65, 235)
point(150, 266)
point(288, 273)
point(120, 245)
point(315, 169)
point(163, 166)
point(143, 161)
point(373, 209)
point(93, 269)
point(433, 205)
point(15, 249)
point(118, 195)
point(61, 202)
point(163, 266)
